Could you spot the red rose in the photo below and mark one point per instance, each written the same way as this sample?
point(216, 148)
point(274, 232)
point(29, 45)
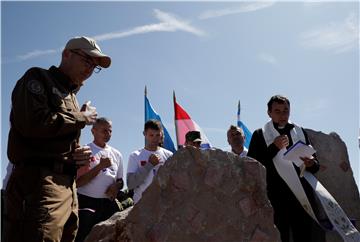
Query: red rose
point(143, 162)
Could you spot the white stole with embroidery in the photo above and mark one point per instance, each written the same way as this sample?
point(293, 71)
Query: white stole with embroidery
point(286, 170)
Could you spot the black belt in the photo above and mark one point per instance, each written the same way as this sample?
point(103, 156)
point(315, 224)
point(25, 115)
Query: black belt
point(94, 203)
point(93, 199)
point(55, 166)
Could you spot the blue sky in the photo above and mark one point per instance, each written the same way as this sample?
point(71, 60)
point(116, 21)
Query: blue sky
point(212, 54)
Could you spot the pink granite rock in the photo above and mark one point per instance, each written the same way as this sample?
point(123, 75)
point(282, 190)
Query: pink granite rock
point(204, 196)
point(210, 196)
point(216, 196)
point(336, 175)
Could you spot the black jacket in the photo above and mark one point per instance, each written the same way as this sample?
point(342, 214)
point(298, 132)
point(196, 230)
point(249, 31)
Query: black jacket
point(278, 191)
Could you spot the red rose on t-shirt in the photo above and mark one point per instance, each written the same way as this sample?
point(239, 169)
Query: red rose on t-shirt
point(143, 162)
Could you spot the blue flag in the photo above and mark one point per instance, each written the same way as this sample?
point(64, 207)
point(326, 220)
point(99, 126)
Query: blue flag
point(151, 114)
point(244, 128)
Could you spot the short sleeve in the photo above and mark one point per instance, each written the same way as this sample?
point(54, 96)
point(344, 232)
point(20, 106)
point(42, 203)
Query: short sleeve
point(132, 163)
point(82, 170)
point(120, 171)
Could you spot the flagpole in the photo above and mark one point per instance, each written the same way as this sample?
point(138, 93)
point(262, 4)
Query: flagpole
point(145, 93)
point(238, 114)
point(145, 106)
point(176, 130)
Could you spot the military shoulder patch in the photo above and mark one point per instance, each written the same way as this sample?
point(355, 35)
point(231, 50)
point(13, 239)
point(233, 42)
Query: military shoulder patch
point(57, 92)
point(35, 87)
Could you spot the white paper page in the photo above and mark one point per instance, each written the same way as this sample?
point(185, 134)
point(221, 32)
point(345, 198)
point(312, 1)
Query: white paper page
point(297, 150)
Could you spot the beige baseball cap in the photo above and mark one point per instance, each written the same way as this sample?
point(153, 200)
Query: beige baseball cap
point(89, 46)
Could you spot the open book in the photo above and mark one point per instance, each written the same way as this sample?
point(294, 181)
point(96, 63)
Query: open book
point(297, 150)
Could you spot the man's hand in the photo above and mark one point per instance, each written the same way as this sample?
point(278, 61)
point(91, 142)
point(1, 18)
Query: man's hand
point(114, 188)
point(154, 159)
point(83, 107)
point(105, 162)
point(282, 141)
point(308, 161)
point(89, 113)
point(82, 155)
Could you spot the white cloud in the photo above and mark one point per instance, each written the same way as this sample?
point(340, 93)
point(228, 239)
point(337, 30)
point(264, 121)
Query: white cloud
point(268, 58)
point(37, 53)
point(168, 23)
point(335, 37)
point(243, 8)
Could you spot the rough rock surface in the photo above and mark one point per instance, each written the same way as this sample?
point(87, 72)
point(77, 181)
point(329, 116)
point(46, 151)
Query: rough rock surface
point(202, 196)
point(107, 231)
point(230, 194)
point(336, 175)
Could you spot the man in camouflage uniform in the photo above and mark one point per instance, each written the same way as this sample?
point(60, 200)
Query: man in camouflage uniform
point(43, 145)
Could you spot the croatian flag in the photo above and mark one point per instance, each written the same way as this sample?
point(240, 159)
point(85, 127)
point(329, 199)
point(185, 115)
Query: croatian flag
point(184, 124)
point(244, 128)
point(151, 114)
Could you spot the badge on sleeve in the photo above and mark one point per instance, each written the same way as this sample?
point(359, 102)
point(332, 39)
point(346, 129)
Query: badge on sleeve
point(35, 87)
point(57, 92)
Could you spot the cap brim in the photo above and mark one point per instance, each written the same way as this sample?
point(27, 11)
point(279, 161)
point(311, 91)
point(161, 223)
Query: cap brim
point(104, 60)
point(197, 140)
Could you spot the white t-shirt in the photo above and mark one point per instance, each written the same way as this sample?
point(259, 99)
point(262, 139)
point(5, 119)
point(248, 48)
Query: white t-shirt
point(243, 153)
point(96, 188)
point(139, 158)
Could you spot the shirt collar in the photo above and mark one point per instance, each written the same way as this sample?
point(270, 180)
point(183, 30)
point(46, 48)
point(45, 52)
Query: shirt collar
point(63, 79)
point(287, 127)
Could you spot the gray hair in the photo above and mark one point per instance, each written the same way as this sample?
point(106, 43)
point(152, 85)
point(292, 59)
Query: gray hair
point(101, 120)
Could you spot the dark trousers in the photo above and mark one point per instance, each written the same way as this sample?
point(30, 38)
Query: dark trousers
point(293, 222)
point(40, 206)
point(2, 210)
point(91, 212)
